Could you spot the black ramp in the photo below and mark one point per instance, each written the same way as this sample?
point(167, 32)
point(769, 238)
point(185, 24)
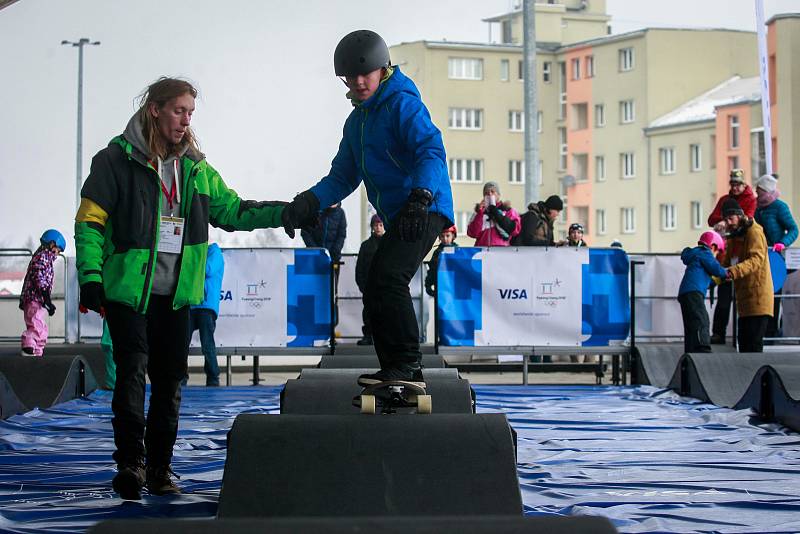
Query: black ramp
point(785, 394)
point(723, 378)
point(318, 396)
point(370, 361)
point(42, 382)
point(354, 373)
point(361, 525)
point(659, 361)
point(9, 402)
point(341, 465)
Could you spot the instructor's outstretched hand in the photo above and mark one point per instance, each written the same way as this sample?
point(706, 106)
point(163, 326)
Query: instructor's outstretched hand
point(301, 212)
point(413, 216)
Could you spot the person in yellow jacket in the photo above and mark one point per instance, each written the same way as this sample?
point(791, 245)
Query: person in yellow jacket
point(746, 255)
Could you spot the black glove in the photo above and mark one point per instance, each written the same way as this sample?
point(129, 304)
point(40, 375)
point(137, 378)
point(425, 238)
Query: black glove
point(48, 304)
point(301, 212)
point(92, 296)
point(413, 216)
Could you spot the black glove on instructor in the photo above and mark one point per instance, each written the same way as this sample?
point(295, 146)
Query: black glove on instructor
point(92, 296)
point(301, 212)
point(414, 215)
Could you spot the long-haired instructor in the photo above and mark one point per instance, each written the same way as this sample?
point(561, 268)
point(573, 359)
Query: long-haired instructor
point(391, 145)
point(141, 234)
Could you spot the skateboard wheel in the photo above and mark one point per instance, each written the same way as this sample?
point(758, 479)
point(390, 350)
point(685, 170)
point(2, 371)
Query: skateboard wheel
point(424, 404)
point(367, 403)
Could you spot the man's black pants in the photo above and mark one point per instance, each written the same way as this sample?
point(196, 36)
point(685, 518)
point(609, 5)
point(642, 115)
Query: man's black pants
point(395, 331)
point(722, 310)
point(750, 333)
point(695, 322)
point(155, 343)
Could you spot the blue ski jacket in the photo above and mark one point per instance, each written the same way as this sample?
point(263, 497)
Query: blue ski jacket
point(390, 143)
point(215, 268)
point(701, 265)
point(778, 223)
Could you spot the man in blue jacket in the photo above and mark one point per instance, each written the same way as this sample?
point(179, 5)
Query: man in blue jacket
point(203, 317)
point(391, 144)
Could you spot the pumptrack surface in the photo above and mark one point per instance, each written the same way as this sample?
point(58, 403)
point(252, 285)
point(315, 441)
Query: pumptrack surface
point(647, 459)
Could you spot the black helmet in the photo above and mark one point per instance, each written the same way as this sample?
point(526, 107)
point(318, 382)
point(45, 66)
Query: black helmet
point(360, 52)
point(576, 226)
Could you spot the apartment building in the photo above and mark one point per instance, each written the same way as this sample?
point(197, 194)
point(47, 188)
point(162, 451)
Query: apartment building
point(621, 136)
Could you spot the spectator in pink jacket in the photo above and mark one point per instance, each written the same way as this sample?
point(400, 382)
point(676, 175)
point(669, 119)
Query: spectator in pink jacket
point(495, 222)
point(35, 298)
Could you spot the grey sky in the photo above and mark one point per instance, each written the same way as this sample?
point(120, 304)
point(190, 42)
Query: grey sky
point(270, 111)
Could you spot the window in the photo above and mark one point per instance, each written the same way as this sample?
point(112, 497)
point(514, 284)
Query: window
point(562, 149)
point(581, 216)
point(599, 115)
point(628, 164)
point(520, 70)
point(626, 59)
point(465, 119)
point(733, 163)
point(695, 158)
point(516, 171)
point(628, 220)
point(697, 215)
point(668, 217)
point(466, 170)
point(504, 70)
point(667, 158)
point(580, 116)
point(580, 167)
point(465, 68)
point(546, 71)
point(576, 69)
point(733, 131)
point(505, 28)
point(627, 113)
point(589, 66)
point(600, 221)
point(516, 121)
point(600, 168)
point(462, 221)
point(539, 121)
point(562, 89)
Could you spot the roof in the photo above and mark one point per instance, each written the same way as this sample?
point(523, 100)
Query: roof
point(735, 90)
point(636, 33)
point(498, 47)
point(783, 16)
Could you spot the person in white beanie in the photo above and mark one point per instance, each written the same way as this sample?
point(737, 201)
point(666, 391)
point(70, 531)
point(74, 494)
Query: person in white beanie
point(780, 230)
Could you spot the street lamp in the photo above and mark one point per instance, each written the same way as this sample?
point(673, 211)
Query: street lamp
point(83, 41)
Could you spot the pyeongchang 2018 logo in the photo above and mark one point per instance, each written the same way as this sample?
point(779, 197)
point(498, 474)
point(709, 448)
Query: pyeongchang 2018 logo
point(253, 298)
point(549, 293)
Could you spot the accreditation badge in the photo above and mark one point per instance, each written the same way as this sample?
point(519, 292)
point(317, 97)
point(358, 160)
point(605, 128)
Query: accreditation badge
point(170, 234)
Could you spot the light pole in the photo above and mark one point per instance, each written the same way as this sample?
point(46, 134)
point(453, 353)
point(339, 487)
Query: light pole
point(79, 44)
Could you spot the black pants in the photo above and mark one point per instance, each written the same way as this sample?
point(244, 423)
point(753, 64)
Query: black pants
point(366, 329)
point(695, 322)
point(154, 343)
point(750, 333)
point(722, 310)
point(205, 321)
point(395, 331)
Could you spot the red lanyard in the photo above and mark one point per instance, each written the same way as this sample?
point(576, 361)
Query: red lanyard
point(172, 195)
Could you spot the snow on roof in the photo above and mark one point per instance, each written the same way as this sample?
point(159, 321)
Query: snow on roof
point(703, 108)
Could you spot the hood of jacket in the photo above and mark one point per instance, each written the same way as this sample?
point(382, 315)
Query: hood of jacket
point(134, 135)
point(691, 254)
point(395, 82)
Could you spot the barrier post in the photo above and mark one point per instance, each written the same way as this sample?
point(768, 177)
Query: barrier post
point(256, 371)
point(734, 329)
point(333, 308)
point(228, 370)
point(436, 311)
point(626, 357)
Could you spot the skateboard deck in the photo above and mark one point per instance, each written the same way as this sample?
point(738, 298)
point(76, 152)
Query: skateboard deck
point(394, 396)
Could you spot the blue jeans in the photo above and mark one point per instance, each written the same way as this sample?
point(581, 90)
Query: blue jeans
point(205, 321)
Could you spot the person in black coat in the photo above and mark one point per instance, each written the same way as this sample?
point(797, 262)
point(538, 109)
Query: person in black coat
point(365, 255)
point(446, 239)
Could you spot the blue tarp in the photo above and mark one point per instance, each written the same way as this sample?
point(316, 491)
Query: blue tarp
point(646, 458)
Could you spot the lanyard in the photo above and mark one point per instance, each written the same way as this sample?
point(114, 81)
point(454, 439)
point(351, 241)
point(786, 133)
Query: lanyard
point(172, 195)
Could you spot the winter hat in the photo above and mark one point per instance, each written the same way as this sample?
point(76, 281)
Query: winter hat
point(489, 185)
point(768, 183)
point(374, 220)
point(554, 202)
point(737, 175)
point(731, 207)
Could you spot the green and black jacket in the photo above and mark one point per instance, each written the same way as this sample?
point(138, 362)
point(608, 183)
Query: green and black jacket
point(116, 227)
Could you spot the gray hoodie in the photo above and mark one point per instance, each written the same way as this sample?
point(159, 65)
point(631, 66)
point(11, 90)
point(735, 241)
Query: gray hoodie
point(165, 278)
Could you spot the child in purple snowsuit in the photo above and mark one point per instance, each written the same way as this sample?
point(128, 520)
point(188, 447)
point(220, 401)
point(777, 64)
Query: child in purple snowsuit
point(35, 298)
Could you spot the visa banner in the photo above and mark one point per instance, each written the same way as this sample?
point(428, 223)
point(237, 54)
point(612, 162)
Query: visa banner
point(533, 296)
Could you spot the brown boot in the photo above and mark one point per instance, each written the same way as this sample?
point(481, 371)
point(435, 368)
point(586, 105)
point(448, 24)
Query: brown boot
point(129, 480)
point(159, 481)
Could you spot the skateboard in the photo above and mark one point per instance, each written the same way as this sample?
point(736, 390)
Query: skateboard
point(391, 395)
